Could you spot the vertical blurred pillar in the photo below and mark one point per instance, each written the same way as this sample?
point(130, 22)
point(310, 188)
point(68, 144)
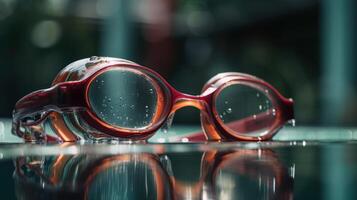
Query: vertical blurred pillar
point(337, 73)
point(116, 39)
point(117, 29)
point(337, 58)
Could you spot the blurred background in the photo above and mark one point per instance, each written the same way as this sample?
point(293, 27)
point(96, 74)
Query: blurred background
point(305, 48)
point(302, 47)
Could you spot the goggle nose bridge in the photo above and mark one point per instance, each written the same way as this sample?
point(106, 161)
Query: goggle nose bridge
point(192, 101)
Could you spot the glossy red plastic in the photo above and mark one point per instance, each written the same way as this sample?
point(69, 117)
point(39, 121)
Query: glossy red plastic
point(70, 96)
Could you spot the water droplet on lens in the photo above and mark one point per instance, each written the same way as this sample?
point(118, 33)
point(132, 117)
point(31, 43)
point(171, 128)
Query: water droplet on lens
point(146, 115)
point(104, 105)
point(229, 110)
point(258, 95)
point(132, 106)
point(221, 116)
point(254, 116)
point(146, 106)
point(151, 91)
point(260, 107)
point(274, 112)
point(226, 102)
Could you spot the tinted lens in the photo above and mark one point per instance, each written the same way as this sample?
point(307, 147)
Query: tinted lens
point(244, 109)
point(124, 98)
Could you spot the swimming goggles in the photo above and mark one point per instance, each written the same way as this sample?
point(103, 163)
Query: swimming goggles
point(100, 97)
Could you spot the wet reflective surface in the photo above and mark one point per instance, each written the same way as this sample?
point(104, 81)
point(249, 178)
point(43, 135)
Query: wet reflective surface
point(269, 170)
point(154, 171)
point(300, 163)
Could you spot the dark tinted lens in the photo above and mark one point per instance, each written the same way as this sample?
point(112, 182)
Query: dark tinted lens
point(245, 109)
point(123, 98)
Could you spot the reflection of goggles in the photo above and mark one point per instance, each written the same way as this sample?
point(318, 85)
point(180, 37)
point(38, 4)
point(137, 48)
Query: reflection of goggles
point(246, 173)
point(91, 177)
point(108, 97)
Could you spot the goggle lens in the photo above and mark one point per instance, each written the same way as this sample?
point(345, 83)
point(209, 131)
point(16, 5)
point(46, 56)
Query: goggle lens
point(124, 98)
point(245, 110)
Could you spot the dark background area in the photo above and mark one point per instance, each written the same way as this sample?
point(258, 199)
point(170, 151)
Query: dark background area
point(302, 47)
